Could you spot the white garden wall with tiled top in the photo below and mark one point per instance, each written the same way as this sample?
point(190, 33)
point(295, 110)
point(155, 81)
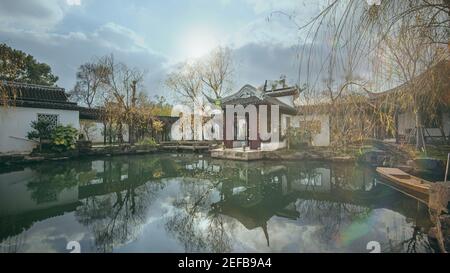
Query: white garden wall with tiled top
point(323, 138)
point(15, 124)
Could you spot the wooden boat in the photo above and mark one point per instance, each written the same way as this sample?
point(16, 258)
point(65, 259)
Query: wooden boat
point(405, 181)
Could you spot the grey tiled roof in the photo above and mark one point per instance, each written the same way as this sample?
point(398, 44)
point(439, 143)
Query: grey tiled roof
point(250, 95)
point(37, 96)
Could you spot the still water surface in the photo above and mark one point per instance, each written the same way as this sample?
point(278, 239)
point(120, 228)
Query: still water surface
point(192, 203)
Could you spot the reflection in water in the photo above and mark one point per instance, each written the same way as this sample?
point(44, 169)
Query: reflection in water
point(197, 204)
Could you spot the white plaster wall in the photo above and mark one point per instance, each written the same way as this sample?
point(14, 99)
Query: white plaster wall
point(241, 128)
point(321, 139)
point(284, 124)
point(408, 121)
point(95, 130)
point(15, 124)
point(289, 100)
point(272, 146)
point(446, 121)
point(125, 133)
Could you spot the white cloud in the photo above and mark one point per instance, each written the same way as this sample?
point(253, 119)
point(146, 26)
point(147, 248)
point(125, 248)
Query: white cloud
point(260, 6)
point(255, 63)
point(277, 22)
point(30, 14)
point(264, 48)
point(261, 31)
point(73, 2)
point(119, 37)
point(65, 52)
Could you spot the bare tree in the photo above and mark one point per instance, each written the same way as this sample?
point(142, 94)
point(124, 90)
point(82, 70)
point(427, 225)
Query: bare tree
point(216, 71)
point(186, 82)
point(91, 78)
point(122, 84)
point(346, 37)
point(404, 58)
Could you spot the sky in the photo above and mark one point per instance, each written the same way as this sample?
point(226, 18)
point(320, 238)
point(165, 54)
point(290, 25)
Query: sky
point(157, 35)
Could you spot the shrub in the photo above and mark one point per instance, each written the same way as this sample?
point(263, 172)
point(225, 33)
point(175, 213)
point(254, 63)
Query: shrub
point(148, 141)
point(298, 137)
point(41, 130)
point(64, 138)
point(158, 126)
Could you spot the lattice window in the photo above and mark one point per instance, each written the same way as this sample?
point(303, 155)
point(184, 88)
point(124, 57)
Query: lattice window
point(52, 119)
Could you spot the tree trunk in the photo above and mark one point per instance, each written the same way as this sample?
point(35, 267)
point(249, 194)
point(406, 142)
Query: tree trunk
point(420, 140)
point(131, 136)
point(444, 137)
point(131, 133)
point(104, 133)
point(110, 134)
point(397, 137)
point(120, 134)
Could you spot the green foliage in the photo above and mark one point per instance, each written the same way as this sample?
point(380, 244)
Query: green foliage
point(148, 141)
point(158, 126)
point(298, 137)
point(41, 130)
point(161, 107)
point(110, 132)
point(16, 65)
point(64, 138)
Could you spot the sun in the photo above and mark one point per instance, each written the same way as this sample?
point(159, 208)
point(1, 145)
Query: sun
point(198, 42)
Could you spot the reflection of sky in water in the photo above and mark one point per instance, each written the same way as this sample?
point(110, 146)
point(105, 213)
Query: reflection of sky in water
point(210, 206)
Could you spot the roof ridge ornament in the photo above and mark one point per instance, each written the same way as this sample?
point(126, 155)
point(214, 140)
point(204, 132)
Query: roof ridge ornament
point(249, 91)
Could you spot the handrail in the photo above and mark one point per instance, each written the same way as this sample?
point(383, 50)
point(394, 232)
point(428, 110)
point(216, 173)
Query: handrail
point(26, 139)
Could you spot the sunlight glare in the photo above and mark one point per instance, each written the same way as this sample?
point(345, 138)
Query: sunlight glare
point(199, 42)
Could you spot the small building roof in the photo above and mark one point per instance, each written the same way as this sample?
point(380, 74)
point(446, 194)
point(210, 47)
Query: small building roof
point(436, 76)
point(36, 96)
point(281, 92)
point(251, 95)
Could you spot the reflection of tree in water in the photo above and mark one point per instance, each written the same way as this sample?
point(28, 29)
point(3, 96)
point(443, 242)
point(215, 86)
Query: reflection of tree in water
point(402, 239)
point(334, 217)
point(351, 177)
point(13, 244)
point(416, 242)
point(117, 216)
point(51, 179)
point(331, 216)
point(253, 196)
point(193, 225)
point(115, 201)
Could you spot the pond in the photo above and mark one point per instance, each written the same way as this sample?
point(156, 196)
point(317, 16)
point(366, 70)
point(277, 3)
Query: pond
point(192, 203)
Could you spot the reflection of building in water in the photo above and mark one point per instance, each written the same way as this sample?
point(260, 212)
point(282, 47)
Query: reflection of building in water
point(316, 195)
point(21, 206)
point(258, 194)
point(16, 197)
point(317, 181)
point(252, 193)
